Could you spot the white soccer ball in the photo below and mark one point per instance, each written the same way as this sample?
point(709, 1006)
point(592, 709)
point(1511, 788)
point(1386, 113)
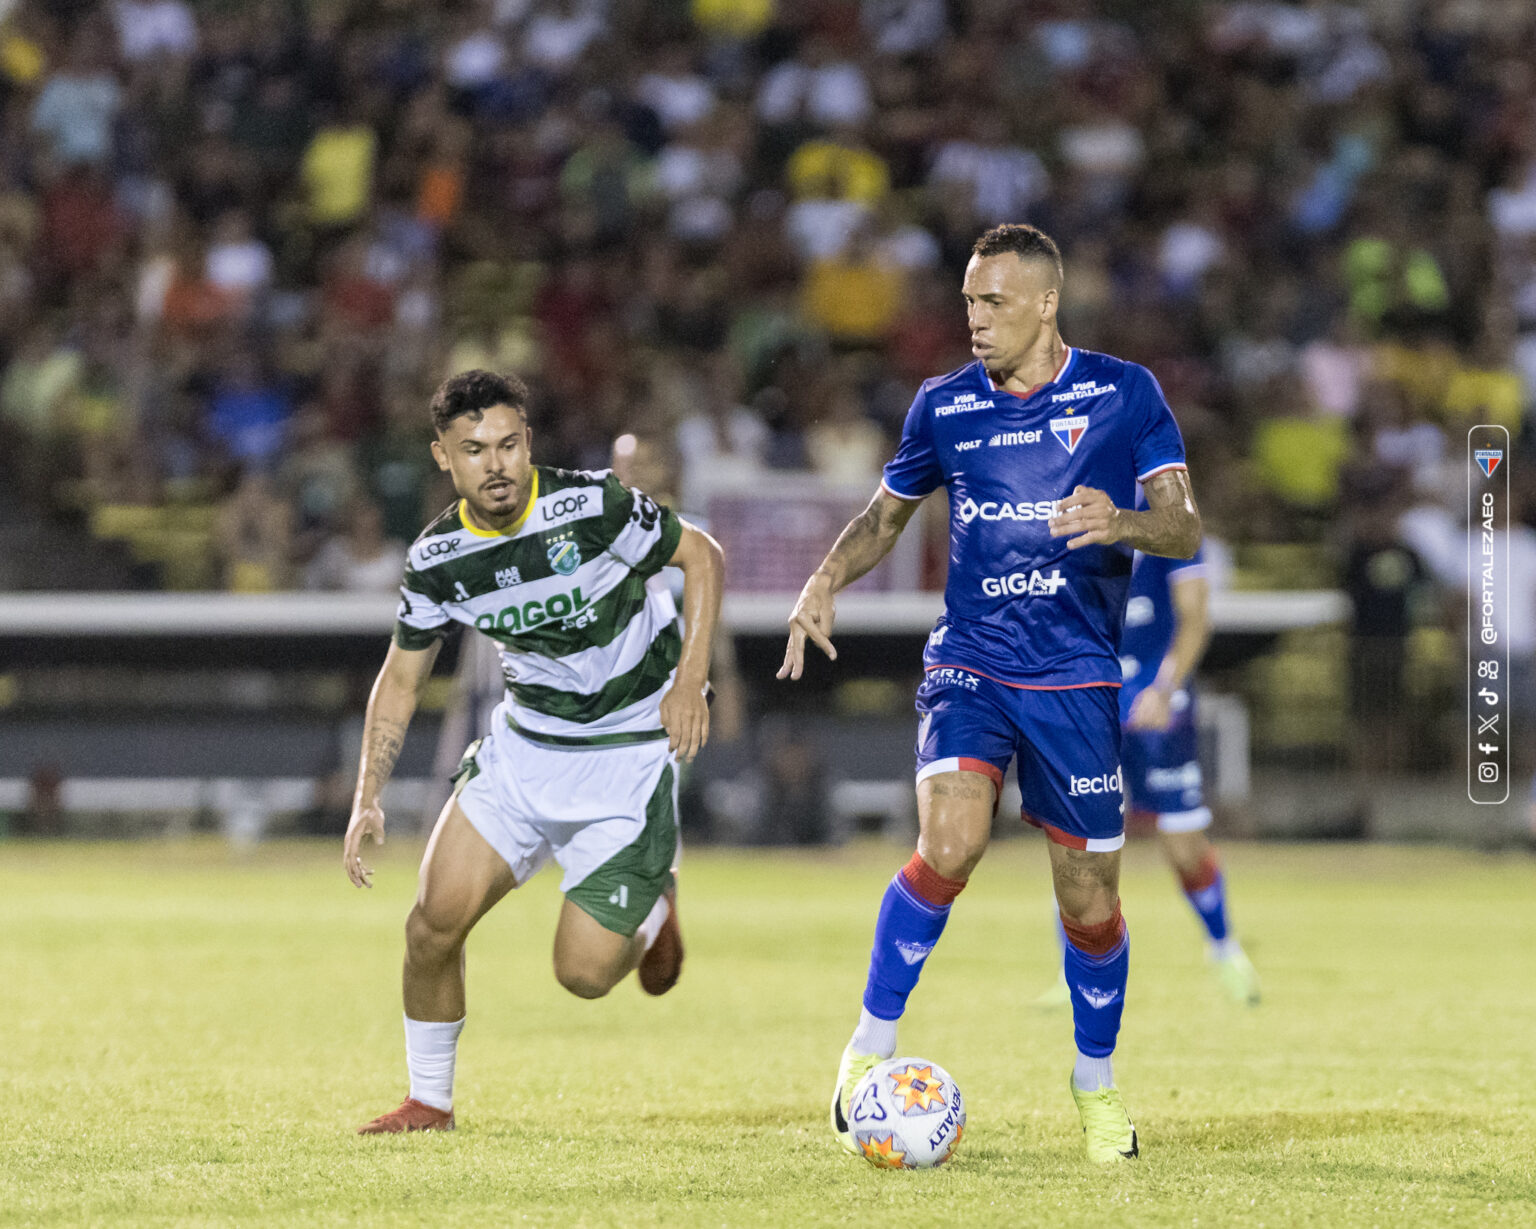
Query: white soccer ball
point(907, 1113)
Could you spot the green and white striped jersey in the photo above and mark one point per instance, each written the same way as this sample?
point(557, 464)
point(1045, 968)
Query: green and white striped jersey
point(588, 639)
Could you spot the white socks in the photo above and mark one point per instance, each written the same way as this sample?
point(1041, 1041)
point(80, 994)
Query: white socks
point(874, 1035)
point(647, 931)
point(1093, 1073)
point(430, 1048)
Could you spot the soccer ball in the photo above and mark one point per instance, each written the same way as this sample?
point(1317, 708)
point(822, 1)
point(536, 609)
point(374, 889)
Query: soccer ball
point(907, 1113)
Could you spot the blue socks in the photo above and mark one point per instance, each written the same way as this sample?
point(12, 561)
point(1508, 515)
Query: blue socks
point(1097, 962)
point(912, 916)
point(1206, 891)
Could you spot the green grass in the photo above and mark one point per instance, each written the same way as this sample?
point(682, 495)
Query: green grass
point(189, 1037)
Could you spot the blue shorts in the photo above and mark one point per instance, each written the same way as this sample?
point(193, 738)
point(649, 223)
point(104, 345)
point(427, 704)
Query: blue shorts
point(1067, 742)
point(1162, 770)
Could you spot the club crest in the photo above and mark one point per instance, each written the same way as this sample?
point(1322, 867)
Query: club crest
point(1069, 431)
point(1488, 460)
point(564, 557)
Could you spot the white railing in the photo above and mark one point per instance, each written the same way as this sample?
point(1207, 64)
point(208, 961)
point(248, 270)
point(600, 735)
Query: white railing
point(321, 614)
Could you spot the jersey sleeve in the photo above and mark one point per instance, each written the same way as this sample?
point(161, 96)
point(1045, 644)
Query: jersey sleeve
point(1157, 446)
point(420, 622)
point(914, 472)
point(642, 533)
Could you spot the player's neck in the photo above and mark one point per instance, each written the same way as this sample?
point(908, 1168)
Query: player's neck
point(1039, 366)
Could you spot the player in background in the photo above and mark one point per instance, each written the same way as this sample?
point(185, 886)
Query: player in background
point(604, 695)
point(1167, 627)
point(1040, 446)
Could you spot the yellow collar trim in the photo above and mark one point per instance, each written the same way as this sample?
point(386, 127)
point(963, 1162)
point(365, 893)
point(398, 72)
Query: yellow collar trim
point(533, 498)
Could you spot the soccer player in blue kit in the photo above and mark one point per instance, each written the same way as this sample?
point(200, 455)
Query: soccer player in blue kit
point(1167, 625)
point(1040, 446)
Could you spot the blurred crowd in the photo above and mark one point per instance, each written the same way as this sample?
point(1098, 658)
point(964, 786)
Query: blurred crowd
point(240, 243)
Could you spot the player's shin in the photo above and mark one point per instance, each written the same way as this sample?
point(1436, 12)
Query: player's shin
point(912, 917)
point(1096, 964)
point(431, 1047)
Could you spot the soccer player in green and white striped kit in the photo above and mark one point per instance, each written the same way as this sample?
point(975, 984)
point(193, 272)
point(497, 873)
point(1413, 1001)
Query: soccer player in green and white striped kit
point(604, 695)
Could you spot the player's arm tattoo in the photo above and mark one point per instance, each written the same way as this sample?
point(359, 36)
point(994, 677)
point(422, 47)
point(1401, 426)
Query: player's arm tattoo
point(867, 539)
point(381, 748)
point(1171, 524)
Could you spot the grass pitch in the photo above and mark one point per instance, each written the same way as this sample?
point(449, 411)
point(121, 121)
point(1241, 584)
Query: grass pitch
point(189, 1036)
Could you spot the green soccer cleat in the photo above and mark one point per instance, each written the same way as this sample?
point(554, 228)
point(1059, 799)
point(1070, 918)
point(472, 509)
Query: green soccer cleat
point(1237, 975)
point(1107, 1128)
point(850, 1071)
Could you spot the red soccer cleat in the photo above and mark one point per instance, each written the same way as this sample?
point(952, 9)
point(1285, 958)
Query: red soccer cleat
point(662, 965)
point(411, 1116)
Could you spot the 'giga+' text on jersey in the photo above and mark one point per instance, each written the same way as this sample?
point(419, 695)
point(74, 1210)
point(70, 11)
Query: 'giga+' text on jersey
point(588, 634)
point(1019, 606)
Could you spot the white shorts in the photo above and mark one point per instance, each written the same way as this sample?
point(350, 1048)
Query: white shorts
point(607, 815)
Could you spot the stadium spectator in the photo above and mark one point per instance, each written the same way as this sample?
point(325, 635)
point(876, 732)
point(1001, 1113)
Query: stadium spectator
point(359, 559)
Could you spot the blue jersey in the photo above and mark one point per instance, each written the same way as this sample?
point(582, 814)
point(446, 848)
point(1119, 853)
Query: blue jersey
point(1149, 618)
point(1020, 607)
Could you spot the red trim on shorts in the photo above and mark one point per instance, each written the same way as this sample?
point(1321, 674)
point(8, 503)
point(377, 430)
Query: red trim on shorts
point(1099, 939)
point(1203, 875)
point(1093, 844)
point(1018, 686)
point(933, 887)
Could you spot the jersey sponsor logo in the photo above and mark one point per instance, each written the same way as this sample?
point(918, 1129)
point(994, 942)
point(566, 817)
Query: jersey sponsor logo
point(1069, 431)
point(1024, 584)
point(1099, 999)
point(525, 616)
point(1039, 510)
point(564, 556)
point(1139, 611)
point(1083, 388)
point(566, 506)
point(555, 509)
point(439, 547)
point(964, 404)
point(1104, 783)
point(948, 676)
point(936, 636)
point(967, 445)
point(1008, 439)
point(913, 953)
point(1488, 460)
point(507, 577)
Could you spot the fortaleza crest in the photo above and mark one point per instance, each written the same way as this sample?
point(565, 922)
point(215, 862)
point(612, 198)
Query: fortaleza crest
point(1069, 431)
point(1488, 460)
point(564, 557)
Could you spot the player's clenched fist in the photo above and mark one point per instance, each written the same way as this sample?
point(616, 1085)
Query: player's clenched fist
point(812, 617)
point(365, 821)
point(685, 718)
point(1090, 515)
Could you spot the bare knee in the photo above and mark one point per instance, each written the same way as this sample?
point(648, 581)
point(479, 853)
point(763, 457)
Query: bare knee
point(584, 983)
point(1087, 884)
point(432, 939)
point(954, 855)
point(1187, 851)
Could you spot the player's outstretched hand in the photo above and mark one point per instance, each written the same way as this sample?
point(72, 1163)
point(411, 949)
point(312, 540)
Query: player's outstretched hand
point(1150, 710)
point(1090, 514)
point(685, 717)
point(365, 821)
point(812, 617)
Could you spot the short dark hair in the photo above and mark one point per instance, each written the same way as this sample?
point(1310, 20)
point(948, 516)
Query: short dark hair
point(474, 392)
point(1024, 241)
